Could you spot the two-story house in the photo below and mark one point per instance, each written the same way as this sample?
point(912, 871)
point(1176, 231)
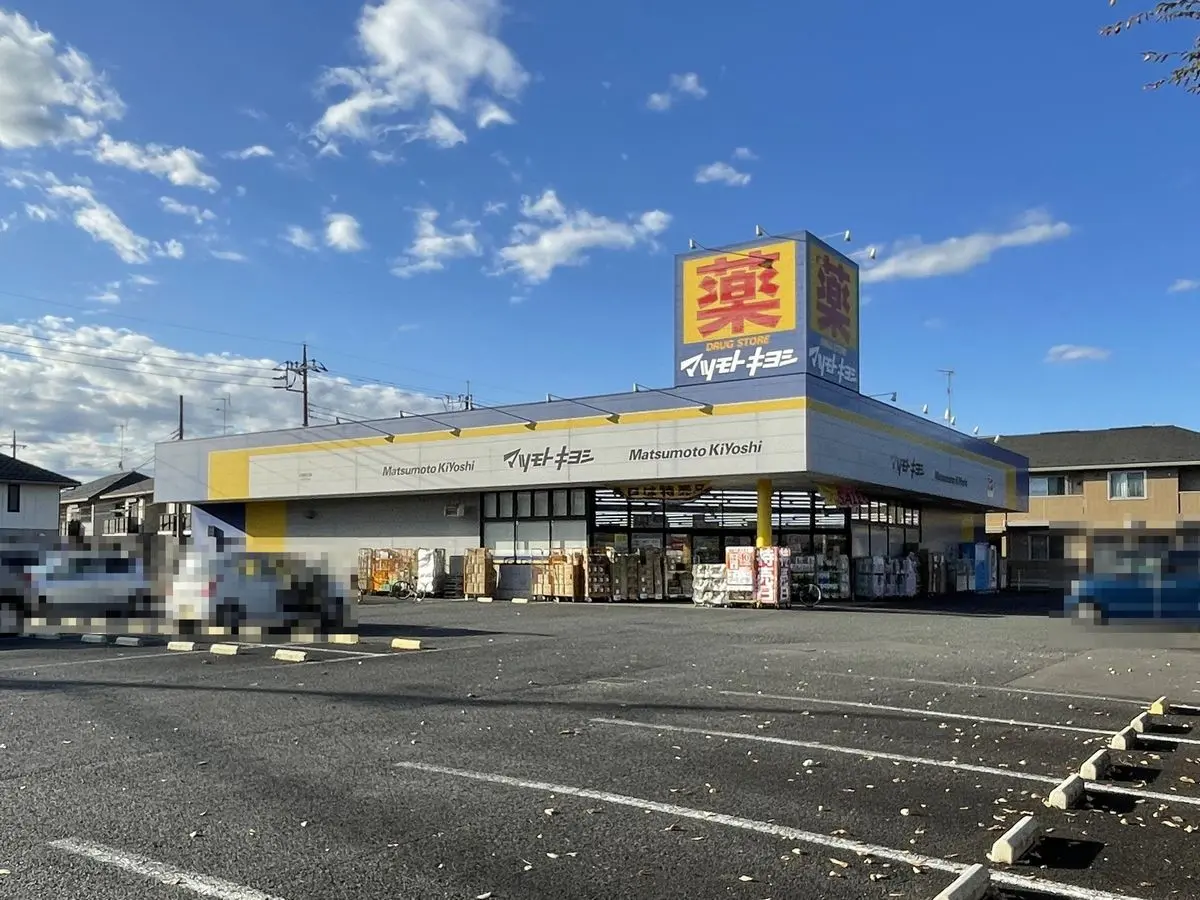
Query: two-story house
point(132, 510)
point(1080, 482)
point(29, 499)
point(85, 509)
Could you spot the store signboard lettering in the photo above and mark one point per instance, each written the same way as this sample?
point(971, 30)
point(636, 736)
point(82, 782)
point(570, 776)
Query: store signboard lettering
point(696, 451)
point(676, 492)
point(738, 313)
point(841, 496)
point(832, 293)
point(832, 365)
point(955, 480)
point(540, 459)
point(902, 465)
point(448, 467)
point(705, 367)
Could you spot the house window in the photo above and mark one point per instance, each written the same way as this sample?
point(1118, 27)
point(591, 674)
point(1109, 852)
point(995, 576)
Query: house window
point(1127, 485)
point(1054, 485)
point(14, 498)
point(1044, 546)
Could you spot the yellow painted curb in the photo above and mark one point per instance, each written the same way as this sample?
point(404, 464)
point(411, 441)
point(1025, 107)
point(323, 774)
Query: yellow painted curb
point(184, 646)
point(343, 638)
point(405, 644)
point(285, 655)
point(225, 649)
point(484, 599)
point(303, 637)
point(520, 599)
point(1160, 707)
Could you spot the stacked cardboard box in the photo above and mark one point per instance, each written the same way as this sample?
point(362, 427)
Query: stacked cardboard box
point(479, 573)
point(625, 576)
point(650, 575)
point(559, 576)
point(599, 576)
point(708, 585)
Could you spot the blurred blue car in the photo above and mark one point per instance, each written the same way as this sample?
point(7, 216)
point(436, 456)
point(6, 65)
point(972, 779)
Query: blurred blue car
point(1138, 584)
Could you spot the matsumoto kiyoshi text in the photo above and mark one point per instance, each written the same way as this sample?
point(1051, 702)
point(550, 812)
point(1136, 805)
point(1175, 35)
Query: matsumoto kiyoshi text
point(442, 468)
point(717, 448)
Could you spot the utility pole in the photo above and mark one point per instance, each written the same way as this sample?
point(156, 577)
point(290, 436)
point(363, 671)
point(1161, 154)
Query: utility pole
point(15, 445)
point(949, 417)
point(178, 505)
point(121, 461)
point(223, 409)
point(291, 370)
point(179, 437)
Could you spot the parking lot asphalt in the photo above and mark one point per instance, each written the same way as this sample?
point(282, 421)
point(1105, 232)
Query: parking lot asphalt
point(596, 751)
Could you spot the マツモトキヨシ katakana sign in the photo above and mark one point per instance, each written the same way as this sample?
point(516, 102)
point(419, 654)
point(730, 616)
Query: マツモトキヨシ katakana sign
point(738, 313)
point(831, 286)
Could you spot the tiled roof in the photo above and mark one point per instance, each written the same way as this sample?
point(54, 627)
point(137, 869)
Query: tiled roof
point(137, 489)
point(18, 471)
point(89, 492)
point(1140, 445)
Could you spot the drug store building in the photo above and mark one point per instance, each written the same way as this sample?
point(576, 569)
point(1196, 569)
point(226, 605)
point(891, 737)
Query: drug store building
point(764, 438)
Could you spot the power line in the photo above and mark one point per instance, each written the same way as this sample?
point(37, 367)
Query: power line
point(124, 369)
point(298, 369)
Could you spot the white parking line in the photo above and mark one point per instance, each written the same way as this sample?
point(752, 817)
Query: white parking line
point(1095, 787)
point(1007, 689)
point(963, 717)
point(124, 657)
point(203, 885)
point(773, 829)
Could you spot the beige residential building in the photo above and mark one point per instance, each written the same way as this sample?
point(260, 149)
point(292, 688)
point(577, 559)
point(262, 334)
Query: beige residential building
point(1084, 482)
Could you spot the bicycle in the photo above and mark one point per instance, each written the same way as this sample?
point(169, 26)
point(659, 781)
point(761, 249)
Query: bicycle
point(402, 589)
point(808, 594)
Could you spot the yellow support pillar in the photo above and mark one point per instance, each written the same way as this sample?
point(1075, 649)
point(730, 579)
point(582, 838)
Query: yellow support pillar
point(765, 495)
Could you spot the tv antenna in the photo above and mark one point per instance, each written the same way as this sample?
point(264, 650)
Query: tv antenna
point(949, 414)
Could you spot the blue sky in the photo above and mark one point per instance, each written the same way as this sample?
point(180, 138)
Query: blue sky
point(1015, 129)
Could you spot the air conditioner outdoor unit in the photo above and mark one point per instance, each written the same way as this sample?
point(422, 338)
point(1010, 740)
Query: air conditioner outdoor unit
point(455, 511)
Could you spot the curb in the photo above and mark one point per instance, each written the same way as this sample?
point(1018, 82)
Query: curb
point(972, 884)
point(405, 644)
point(1016, 842)
point(126, 640)
point(225, 649)
point(1140, 723)
point(483, 599)
point(1160, 707)
point(48, 637)
point(1068, 794)
point(94, 638)
point(183, 646)
point(343, 638)
point(1125, 739)
point(520, 600)
point(1095, 767)
point(284, 655)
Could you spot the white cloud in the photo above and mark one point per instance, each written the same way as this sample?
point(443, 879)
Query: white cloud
point(300, 237)
point(551, 235)
point(439, 130)
point(381, 156)
point(257, 151)
point(228, 255)
point(417, 53)
point(959, 254)
point(1184, 284)
point(494, 208)
point(329, 148)
point(195, 213)
point(178, 165)
point(1065, 353)
point(490, 113)
point(432, 247)
point(68, 385)
point(48, 97)
point(744, 153)
point(40, 213)
point(721, 172)
point(105, 226)
point(343, 233)
point(142, 280)
point(685, 85)
point(107, 294)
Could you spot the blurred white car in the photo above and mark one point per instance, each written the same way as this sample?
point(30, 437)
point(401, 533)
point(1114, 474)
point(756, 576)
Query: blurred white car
point(235, 588)
point(86, 583)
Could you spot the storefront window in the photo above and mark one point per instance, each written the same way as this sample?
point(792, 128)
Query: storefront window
point(489, 506)
point(541, 504)
point(506, 505)
point(559, 510)
point(579, 502)
point(524, 505)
